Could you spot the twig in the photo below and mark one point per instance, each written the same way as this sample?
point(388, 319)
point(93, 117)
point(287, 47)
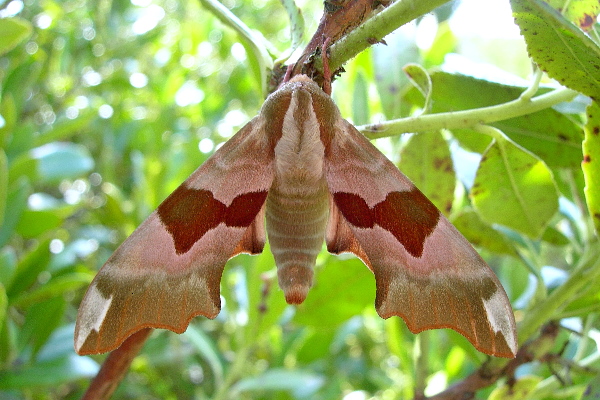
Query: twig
point(115, 366)
point(490, 372)
point(467, 118)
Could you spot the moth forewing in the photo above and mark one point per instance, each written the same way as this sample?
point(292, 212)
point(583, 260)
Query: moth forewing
point(313, 176)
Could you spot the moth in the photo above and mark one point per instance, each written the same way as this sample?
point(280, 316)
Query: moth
point(312, 176)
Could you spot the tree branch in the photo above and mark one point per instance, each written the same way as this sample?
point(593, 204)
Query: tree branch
point(115, 367)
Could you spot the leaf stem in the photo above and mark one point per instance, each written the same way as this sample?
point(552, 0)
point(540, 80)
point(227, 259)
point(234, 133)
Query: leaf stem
point(467, 118)
point(533, 88)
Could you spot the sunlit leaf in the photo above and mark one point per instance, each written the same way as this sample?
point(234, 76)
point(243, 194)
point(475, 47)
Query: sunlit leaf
point(549, 134)
point(3, 304)
point(342, 289)
point(12, 32)
point(8, 118)
point(515, 189)
point(591, 162)
point(420, 78)
point(34, 223)
point(573, 59)
point(582, 13)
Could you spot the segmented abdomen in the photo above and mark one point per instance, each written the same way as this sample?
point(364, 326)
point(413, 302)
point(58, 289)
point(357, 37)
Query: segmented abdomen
point(296, 223)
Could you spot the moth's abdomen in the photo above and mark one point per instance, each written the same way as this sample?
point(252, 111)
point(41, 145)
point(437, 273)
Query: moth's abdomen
point(296, 223)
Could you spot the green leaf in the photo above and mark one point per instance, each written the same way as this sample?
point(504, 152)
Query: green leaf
point(518, 390)
point(40, 321)
point(342, 289)
point(8, 265)
point(48, 373)
point(64, 129)
point(8, 334)
point(420, 78)
point(16, 202)
point(391, 79)
point(482, 235)
point(591, 163)
point(300, 383)
point(12, 32)
point(56, 287)
point(592, 391)
point(206, 347)
point(445, 42)
point(3, 184)
point(515, 189)
point(582, 13)
point(3, 304)
point(360, 100)
point(561, 49)
point(549, 134)
point(427, 162)
point(35, 223)
point(8, 113)
point(265, 300)
point(56, 364)
point(59, 161)
point(28, 269)
point(555, 237)
point(296, 24)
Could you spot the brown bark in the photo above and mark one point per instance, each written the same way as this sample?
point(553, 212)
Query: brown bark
point(115, 367)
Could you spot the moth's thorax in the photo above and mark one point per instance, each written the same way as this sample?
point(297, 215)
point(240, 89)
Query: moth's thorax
point(299, 151)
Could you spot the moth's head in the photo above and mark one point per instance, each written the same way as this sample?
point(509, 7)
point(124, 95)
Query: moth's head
point(301, 81)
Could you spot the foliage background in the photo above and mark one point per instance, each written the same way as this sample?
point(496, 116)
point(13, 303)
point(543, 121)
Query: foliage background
point(107, 106)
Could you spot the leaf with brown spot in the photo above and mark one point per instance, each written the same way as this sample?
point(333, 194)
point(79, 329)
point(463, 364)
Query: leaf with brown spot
point(427, 162)
point(560, 48)
point(590, 164)
point(582, 13)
